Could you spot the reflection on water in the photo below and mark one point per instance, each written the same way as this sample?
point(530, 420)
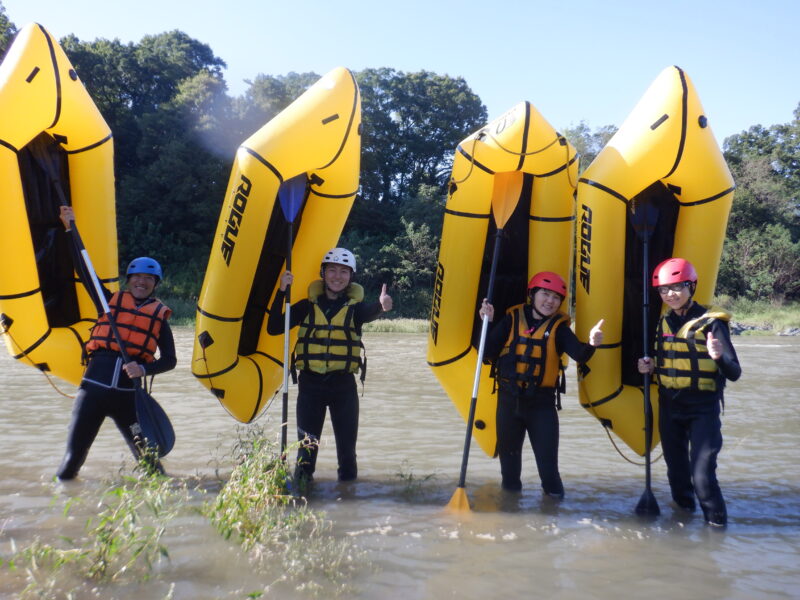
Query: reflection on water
point(410, 441)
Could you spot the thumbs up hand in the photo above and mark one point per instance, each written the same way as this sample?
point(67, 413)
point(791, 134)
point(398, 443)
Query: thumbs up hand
point(385, 299)
point(596, 334)
point(714, 346)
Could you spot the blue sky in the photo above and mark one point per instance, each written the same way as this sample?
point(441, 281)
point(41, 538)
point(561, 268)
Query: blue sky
point(579, 60)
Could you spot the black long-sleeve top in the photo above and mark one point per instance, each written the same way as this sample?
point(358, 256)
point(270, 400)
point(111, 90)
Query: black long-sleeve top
point(566, 340)
point(363, 312)
point(728, 363)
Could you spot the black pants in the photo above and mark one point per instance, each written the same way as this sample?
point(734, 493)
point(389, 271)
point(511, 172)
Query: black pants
point(92, 405)
point(691, 439)
point(538, 417)
point(338, 393)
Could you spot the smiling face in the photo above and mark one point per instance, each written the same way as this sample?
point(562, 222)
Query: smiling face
point(677, 295)
point(546, 302)
point(141, 285)
point(337, 278)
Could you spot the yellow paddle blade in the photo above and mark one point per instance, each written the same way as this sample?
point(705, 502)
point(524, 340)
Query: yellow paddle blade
point(459, 503)
point(505, 195)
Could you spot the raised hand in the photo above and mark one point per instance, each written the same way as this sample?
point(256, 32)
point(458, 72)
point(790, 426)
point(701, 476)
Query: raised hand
point(714, 346)
point(385, 299)
point(596, 334)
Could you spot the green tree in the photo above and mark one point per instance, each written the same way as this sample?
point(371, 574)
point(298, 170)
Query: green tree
point(588, 143)
point(7, 31)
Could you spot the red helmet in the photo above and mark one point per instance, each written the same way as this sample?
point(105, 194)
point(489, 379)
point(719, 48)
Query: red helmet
point(549, 281)
point(674, 270)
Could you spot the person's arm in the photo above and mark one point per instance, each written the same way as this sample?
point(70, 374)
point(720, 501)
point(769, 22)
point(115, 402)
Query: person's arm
point(167, 359)
point(567, 341)
point(496, 337)
point(721, 349)
point(275, 320)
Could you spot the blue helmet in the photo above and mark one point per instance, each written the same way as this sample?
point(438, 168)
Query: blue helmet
point(147, 265)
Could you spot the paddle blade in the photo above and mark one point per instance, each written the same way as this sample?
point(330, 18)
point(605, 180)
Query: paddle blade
point(291, 195)
point(505, 195)
point(459, 503)
point(156, 426)
point(648, 505)
point(644, 217)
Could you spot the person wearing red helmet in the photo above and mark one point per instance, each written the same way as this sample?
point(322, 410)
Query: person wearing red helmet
point(526, 346)
point(694, 357)
point(328, 354)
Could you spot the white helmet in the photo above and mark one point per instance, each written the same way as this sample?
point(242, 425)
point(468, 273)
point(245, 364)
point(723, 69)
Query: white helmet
point(340, 256)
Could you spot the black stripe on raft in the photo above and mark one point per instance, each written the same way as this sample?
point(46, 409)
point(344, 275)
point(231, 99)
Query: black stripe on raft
point(335, 196)
point(349, 122)
point(551, 219)
point(20, 295)
point(330, 119)
point(268, 357)
point(5, 144)
point(91, 146)
point(608, 346)
point(33, 74)
point(684, 117)
point(217, 317)
point(660, 120)
point(450, 360)
point(218, 373)
point(264, 162)
point(473, 161)
point(602, 400)
point(260, 389)
point(57, 77)
point(457, 213)
point(604, 188)
point(559, 169)
point(33, 346)
point(524, 148)
point(711, 199)
point(77, 337)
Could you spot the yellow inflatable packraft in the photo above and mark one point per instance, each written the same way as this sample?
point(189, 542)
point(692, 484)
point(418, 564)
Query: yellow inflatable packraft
point(316, 138)
point(51, 134)
point(520, 151)
point(662, 176)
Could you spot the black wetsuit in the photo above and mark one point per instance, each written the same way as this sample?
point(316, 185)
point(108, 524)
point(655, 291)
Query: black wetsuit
point(691, 430)
point(107, 391)
point(532, 411)
point(334, 391)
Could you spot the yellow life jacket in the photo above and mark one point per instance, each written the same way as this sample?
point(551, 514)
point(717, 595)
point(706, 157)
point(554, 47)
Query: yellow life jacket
point(329, 346)
point(682, 360)
point(138, 326)
point(536, 361)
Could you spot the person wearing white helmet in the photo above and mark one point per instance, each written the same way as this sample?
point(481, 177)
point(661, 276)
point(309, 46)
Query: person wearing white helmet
point(694, 357)
point(328, 354)
point(107, 388)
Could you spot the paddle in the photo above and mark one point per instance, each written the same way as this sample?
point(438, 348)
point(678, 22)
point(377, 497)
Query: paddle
point(644, 218)
point(505, 195)
point(291, 195)
point(153, 421)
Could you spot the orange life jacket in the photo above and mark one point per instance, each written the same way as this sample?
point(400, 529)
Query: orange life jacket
point(138, 326)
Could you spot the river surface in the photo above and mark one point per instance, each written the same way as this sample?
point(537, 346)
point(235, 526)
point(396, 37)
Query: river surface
point(410, 445)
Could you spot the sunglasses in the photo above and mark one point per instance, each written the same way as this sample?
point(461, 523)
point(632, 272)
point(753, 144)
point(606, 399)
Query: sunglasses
point(673, 287)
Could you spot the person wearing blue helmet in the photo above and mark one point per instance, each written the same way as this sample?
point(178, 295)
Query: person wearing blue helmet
point(107, 387)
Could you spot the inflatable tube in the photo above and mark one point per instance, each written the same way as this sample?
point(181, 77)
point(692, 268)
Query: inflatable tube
point(538, 237)
point(316, 138)
point(51, 134)
point(664, 159)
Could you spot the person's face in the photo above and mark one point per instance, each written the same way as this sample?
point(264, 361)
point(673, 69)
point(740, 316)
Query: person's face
point(337, 277)
point(675, 295)
point(546, 302)
point(141, 285)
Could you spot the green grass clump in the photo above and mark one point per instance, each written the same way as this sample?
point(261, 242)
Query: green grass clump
point(397, 326)
point(765, 317)
point(277, 528)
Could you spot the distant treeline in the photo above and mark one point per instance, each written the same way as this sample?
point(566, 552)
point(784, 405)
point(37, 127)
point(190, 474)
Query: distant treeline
point(176, 130)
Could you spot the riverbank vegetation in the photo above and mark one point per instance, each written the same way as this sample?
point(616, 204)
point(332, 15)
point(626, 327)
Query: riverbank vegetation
point(176, 131)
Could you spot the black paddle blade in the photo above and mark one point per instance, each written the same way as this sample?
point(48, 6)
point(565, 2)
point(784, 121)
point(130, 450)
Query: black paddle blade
point(156, 426)
point(648, 505)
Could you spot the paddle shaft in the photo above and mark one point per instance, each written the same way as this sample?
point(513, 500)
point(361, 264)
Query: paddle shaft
point(462, 480)
point(648, 409)
point(286, 325)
